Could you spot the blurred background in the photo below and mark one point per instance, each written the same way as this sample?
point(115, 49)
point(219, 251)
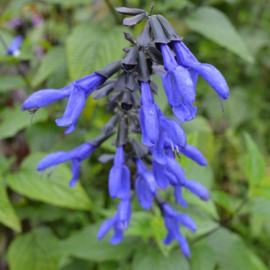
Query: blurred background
point(45, 225)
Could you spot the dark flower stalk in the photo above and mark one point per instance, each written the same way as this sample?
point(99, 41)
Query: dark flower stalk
point(157, 50)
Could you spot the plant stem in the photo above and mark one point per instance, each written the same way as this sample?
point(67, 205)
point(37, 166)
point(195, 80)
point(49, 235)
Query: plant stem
point(223, 222)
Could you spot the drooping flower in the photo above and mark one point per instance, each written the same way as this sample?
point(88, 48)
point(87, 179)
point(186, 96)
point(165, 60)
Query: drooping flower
point(145, 185)
point(76, 156)
point(208, 72)
point(172, 221)
point(120, 222)
point(179, 85)
point(197, 189)
point(14, 47)
point(119, 178)
point(148, 116)
point(77, 92)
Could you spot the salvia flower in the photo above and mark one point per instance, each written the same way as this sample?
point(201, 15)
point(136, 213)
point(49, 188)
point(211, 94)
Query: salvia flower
point(76, 156)
point(77, 92)
point(163, 139)
point(179, 85)
point(145, 185)
point(119, 223)
point(148, 116)
point(172, 221)
point(208, 72)
point(14, 47)
point(119, 179)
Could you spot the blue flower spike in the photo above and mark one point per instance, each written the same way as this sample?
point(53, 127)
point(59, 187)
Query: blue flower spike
point(139, 168)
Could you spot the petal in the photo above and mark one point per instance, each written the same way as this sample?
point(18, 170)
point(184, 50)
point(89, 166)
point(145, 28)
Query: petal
point(119, 156)
point(158, 150)
point(53, 159)
point(169, 238)
point(198, 189)
point(43, 98)
point(148, 116)
point(187, 221)
point(183, 54)
point(159, 173)
point(174, 167)
point(168, 57)
point(124, 184)
point(174, 132)
point(105, 227)
point(178, 196)
point(141, 169)
point(74, 108)
point(124, 213)
point(90, 83)
point(75, 168)
point(143, 193)
point(184, 112)
point(150, 180)
point(15, 45)
point(145, 139)
point(193, 153)
point(118, 236)
point(146, 95)
point(183, 245)
point(214, 78)
point(114, 180)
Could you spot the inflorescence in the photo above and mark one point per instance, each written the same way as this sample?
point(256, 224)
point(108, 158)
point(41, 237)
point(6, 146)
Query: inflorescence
point(157, 50)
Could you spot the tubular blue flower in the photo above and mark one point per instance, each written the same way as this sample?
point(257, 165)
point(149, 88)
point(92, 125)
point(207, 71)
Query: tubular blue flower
point(145, 185)
point(119, 178)
point(197, 189)
point(148, 116)
point(179, 85)
point(174, 168)
point(76, 156)
point(159, 174)
point(172, 221)
point(193, 153)
point(13, 49)
point(78, 91)
point(119, 222)
point(208, 72)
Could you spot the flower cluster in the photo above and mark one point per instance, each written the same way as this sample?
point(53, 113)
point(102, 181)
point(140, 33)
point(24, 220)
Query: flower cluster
point(157, 50)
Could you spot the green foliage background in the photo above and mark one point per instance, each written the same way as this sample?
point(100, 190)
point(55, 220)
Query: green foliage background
point(46, 225)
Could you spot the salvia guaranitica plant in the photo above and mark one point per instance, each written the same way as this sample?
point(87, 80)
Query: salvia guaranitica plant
point(157, 50)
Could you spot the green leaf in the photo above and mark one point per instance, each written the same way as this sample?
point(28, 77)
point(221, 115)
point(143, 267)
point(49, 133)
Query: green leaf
point(8, 83)
point(231, 252)
point(7, 214)
point(84, 245)
point(255, 163)
point(152, 258)
point(222, 198)
point(32, 251)
point(14, 120)
point(260, 206)
point(215, 25)
point(203, 257)
point(49, 63)
point(53, 190)
point(90, 48)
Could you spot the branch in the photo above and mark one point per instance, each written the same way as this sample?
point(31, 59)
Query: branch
point(224, 221)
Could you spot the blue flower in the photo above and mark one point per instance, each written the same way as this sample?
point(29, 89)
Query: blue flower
point(172, 221)
point(76, 156)
point(119, 222)
point(208, 72)
point(145, 185)
point(119, 178)
point(148, 116)
point(179, 85)
point(13, 49)
point(77, 92)
point(169, 130)
point(197, 189)
point(193, 153)
point(159, 174)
